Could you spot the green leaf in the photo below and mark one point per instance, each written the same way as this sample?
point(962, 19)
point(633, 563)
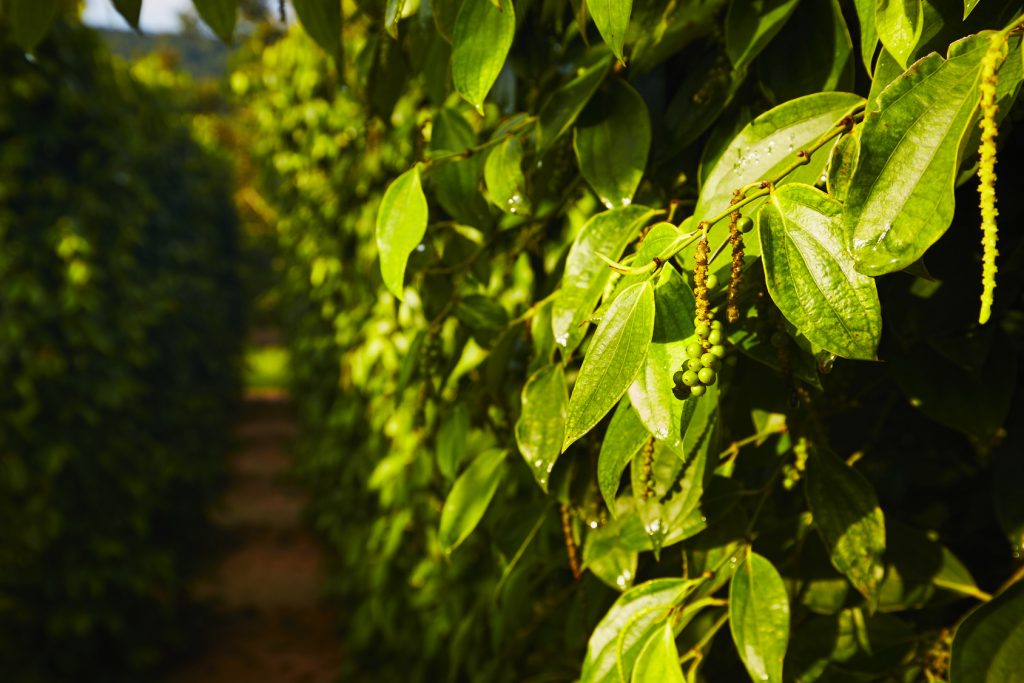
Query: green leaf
point(988, 646)
point(616, 642)
point(401, 224)
point(842, 164)
point(129, 9)
point(916, 566)
point(451, 441)
point(541, 423)
point(901, 198)
point(484, 316)
point(562, 107)
point(768, 144)
point(393, 12)
point(625, 436)
point(456, 182)
point(469, 498)
point(899, 24)
point(810, 272)
point(480, 43)
point(503, 174)
point(612, 19)
point(586, 275)
point(607, 559)
point(30, 20)
point(615, 356)
point(759, 617)
point(969, 6)
point(322, 20)
point(847, 516)
point(751, 24)
point(887, 70)
point(219, 15)
point(611, 140)
point(868, 31)
point(659, 660)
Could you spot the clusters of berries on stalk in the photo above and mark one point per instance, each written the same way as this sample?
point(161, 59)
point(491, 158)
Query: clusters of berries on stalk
point(703, 361)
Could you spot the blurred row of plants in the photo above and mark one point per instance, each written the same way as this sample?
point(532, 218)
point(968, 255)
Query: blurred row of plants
point(120, 337)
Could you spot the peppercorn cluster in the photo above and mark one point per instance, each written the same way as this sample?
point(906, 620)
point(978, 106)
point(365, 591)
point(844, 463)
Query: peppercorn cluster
point(703, 361)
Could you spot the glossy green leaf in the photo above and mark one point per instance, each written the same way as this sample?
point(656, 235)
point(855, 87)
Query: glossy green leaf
point(615, 356)
point(541, 423)
point(562, 107)
point(30, 20)
point(899, 24)
point(759, 617)
point(842, 164)
point(612, 19)
point(503, 174)
point(868, 31)
point(848, 518)
point(322, 20)
point(480, 43)
point(469, 498)
point(901, 198)
point(887, 70)
point(483, 315)
point(401, 224)
point(768, 144)
point(616, 642)
point(611, 140)
point(810, 272)
point(751, 24)
point(586, 275)
point(456, 181)
point(988, 647)
point(969, 6)
point(451, 441)
point(625, 436)
point(129, 9)
point(659, 660)
point(392, 15)
point(220, 15)
point(606, 558)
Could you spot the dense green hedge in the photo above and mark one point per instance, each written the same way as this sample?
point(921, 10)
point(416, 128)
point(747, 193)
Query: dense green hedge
point(119, 343)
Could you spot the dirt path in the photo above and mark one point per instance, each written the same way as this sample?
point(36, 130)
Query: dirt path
point(269, 625)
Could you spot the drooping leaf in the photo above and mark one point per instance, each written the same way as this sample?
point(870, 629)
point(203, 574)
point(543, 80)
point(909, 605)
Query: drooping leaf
point(988, 646)
point(469, 498)
point(625, 436)
point(541, 423)
point(30, 20)
point(503, 174)
point(615, 356)
point(451, 440)
point(868, 31)
point(401, 224)
point(810, 272)
point(129, 9)
point(768, 144)
point(659, 660)
point(901, 198)
point(586, 275)
point(220, 15)
point(322, 20)
point(616, 642)
point(899, 24)
point(759, 617)
point(848, 518)
point(612, 139)
point(751, 24)
point(562, 107)
point(612, 19)
point(480, 43)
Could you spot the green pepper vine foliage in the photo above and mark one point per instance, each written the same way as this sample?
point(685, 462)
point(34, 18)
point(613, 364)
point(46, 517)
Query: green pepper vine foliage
point(570, 207)
point(119, 337)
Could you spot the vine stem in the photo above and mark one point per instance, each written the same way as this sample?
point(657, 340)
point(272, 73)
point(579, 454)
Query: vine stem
point(432, 162)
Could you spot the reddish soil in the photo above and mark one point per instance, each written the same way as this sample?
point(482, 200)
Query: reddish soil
point(269, 623)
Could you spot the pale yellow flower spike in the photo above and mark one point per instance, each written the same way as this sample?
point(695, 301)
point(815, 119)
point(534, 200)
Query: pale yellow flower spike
point(987, 170)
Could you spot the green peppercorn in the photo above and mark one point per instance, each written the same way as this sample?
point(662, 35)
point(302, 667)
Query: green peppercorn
point(698, 390)
point(690, 378)
point(703, 331)
point(694, 364)
point(712, 281)
point(707, 376)
point(715, 337)
point(694, 350)
point(745, 224)
point(717, 350)
point(708, 359)
point(677, 377)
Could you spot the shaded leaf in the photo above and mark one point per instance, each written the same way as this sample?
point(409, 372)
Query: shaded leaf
point(751, 24)
point(625, 436)
point(503, 174)
point(457, 182)
point(562, 107)
point(759, 617)
point(451, 441)
point(615, 356)
point(220, 15)
point(969, 6)
point(322, 21)
point(988, 646)
point(129, 9)
point(868, 31)
point(469, 498)
point(810, 272)
point(401, 224)
point(30, 20)
point(541, 423)
point(481, 40)
point(611, 140)
point(659, 660)
point(612, 19)
point(607, 559)
point(483, 315)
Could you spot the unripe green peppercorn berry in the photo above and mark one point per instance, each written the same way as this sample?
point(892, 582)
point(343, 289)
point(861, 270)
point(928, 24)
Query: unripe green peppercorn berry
point(703, 330)
point(694, 364)
point(698, 390)
point(715, 337)
point(677, 377)
point(717, 350)
point(681, 392)
point(745, 224)
point(716, 324)
point(708, 359)
point(694, 350)
point(690, 378)
point(706, 376)
point(712, 281)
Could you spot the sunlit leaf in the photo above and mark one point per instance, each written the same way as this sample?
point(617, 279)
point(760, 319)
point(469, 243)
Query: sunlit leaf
point(988, 646)
point(401, 224)
point(625, 436)
point(659, 660)
point(503, 174)
point(562, 107)
point(469, 498)
point(759, 617)
point(899, 24)
point(541, 423)
point(868, 31)
point(612, 19)
point(480, 42)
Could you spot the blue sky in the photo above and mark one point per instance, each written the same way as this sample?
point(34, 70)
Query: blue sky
point(158, 16)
